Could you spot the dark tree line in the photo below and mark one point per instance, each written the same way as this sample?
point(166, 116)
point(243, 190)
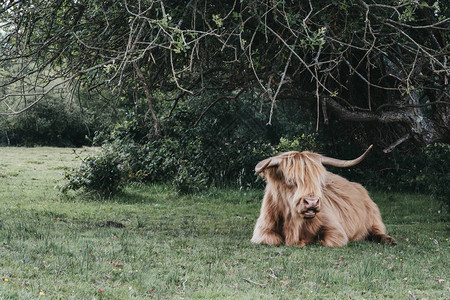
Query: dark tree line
point(381, 63)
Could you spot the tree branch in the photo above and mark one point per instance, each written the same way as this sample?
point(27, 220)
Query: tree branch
point(396, 143)
point(149, 99)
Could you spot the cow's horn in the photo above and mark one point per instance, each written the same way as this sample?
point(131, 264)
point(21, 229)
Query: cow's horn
point(267, 163)
point(343, 163)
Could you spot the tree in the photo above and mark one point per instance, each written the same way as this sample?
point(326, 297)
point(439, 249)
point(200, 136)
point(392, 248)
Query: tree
point(379, 62)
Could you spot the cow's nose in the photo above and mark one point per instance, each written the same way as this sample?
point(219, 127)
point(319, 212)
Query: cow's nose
point(311, 202)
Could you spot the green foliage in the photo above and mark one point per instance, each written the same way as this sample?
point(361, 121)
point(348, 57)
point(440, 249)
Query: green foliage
point(101, 173)
point(305, 142)
point(314, 39)
point(49, 123)
point(222, 149)
point(118, 161)
point(229, 141)
point(195, 48)
point(60, 121)
point(178, 162)
point(430, 171)
point(425, 171)
point(218, 71)
point(190, 179)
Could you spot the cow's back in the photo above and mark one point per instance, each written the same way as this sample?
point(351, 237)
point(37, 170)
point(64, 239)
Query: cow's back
point(351, 204)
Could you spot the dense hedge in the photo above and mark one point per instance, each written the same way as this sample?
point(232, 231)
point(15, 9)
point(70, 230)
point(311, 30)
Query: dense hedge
point(50, 123)
point(224, 148)
point(58, 121)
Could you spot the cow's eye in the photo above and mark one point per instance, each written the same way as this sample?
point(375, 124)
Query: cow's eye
point(291, 183)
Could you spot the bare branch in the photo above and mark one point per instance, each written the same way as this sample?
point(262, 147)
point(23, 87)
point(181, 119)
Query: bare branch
point(396, 143)
point(41, 95)
point(149, 98)
point(280, 84)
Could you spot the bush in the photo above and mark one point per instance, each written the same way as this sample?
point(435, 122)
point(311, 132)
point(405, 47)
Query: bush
point(59, 120)
point(305, 142)
point(431, 173)
point(104, 173)
point(188, 164)
point(49, 123)
point(101, 173)
point(224, 147)
point(220, 149)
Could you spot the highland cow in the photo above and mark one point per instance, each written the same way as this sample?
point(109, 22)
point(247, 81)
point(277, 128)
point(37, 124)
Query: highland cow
point(303, 203)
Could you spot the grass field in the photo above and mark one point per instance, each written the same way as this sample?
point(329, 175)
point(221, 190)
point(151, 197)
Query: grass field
point(195, 247)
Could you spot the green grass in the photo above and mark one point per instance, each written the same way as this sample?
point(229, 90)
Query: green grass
point(195, 247)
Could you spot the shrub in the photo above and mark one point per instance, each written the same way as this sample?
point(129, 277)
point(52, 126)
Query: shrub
point(304, 142)
point(49, 123)
point(232, 137)
point(431, 172)
point(190, 179)
point(101, 173)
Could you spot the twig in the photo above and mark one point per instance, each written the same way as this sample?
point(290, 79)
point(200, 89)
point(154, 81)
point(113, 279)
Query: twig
point(412, 295)
point(324, 111)
point(253, 282)
point(279, 86)
point(298, 57)
point(396, 143)
point(40, 95)
point(392, 169)
point(272, 274)
point(317, 100)
point(174, 75)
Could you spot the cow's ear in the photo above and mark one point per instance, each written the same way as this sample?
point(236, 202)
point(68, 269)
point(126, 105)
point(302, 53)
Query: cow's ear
point(267, 163)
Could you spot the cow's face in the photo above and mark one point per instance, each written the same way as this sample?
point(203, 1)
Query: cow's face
point(304, 203)
point(299, 178)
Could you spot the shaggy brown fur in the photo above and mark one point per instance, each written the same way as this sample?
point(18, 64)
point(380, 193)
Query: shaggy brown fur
point(304, 203)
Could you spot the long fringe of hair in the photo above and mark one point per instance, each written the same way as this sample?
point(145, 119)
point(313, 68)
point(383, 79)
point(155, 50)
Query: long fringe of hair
point(305, 171)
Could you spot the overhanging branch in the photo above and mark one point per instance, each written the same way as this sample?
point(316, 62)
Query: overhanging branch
point(345, 114)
